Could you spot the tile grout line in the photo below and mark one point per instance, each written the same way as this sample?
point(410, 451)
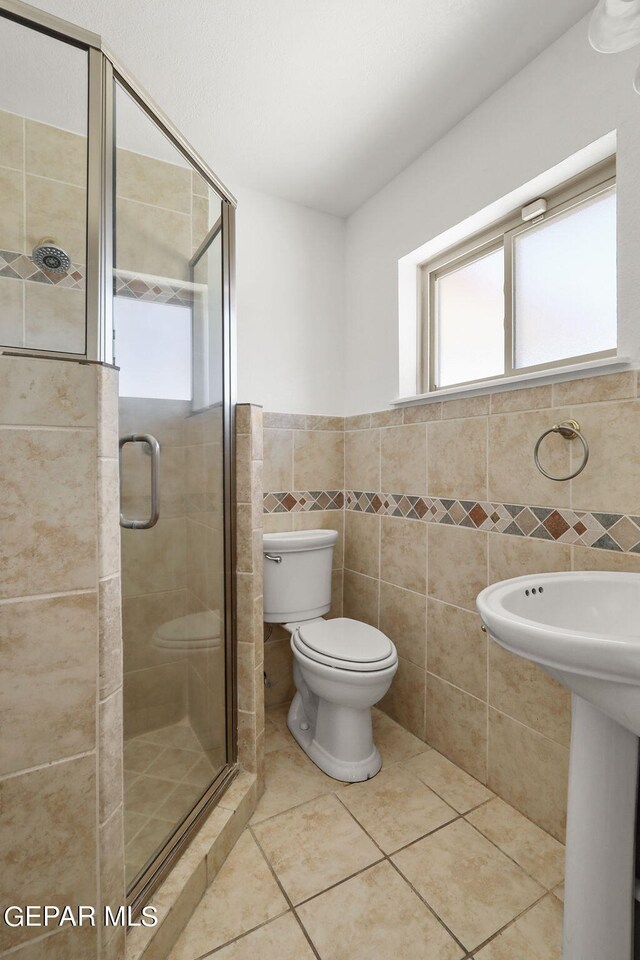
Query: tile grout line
point(503, 852)
point(338, 883)
point(430, 908)
point(506, 926)
point(283, 891)
point(241, 936)
point(49, 763)
point(459, 816)
point(387, 859)
point(36, 597)
point(49, 428)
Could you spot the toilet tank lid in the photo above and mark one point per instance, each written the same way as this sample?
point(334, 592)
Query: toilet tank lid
point(298, 540)
point(346, 639)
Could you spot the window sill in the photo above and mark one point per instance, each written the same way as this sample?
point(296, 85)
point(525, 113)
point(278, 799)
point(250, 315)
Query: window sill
point(574, 371)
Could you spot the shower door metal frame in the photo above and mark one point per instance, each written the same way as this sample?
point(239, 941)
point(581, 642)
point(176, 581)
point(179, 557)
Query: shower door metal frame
point(103, 70)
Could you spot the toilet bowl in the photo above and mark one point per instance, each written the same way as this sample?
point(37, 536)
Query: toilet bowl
point(342, 667)
point(330, 715)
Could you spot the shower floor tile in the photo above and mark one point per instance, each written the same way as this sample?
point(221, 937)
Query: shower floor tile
point(165, 772)
point(474, 877)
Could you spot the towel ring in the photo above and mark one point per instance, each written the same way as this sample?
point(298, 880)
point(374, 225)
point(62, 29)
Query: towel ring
point(570, 430)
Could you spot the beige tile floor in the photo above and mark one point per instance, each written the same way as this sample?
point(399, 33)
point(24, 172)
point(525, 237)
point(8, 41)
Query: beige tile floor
point(420, 863)
point(165, 773)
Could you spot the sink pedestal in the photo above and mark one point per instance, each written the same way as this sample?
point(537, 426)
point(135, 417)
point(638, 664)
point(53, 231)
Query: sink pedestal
point(582, 628)
point(601, 829)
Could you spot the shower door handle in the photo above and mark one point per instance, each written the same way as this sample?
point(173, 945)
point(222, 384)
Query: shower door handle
point(154, 447)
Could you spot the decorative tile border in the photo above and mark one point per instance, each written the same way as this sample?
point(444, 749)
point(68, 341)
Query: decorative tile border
point(305, 500)
point(604, 531)
point(18, 266)
point(152, 289)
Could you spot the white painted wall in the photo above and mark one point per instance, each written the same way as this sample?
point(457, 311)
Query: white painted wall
point(565, 99)
point(290, 283)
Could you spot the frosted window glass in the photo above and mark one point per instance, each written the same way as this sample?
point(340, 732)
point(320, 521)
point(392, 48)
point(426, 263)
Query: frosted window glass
point(565, 285)
point(153, 349)
point(470, 321)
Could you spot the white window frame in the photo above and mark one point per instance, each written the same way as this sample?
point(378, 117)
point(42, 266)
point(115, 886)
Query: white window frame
point(593, 182)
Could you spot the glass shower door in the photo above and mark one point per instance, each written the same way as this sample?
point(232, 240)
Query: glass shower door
point(169, 345)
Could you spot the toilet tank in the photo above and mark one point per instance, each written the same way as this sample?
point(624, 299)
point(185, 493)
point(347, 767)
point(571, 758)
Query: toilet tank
point(297, 574)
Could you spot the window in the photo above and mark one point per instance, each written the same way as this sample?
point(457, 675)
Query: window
point(153, 349)
point(536, 290)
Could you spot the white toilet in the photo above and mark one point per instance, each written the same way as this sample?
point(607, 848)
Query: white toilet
point(342, 667)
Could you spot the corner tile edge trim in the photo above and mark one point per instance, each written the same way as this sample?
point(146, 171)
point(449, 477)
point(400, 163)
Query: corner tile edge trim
point(605, 531)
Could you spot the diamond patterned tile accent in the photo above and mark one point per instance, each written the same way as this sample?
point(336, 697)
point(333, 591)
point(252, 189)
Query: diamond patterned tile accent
point(605, 542)
point(152, 289)
point(457, 512)
point(541, 533)
point(421, 507)
point(556, 525)
point(513, 530)
point(7, 271)
point(604, 531)
point(527, 521)
point(478, 514)
point(625, 533)
point(18, 266)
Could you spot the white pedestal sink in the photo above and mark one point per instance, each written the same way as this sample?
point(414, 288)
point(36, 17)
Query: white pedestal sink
point(584, 629)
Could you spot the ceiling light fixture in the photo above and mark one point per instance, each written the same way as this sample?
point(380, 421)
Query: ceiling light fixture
point(614, 27)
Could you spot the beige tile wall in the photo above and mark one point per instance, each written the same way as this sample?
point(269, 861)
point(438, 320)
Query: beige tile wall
point(180, 893)
point(174, 569)
point(301, 453)
point(111, 867)
point(502, 719)
point(205, 566)
point(42, 194)
point(60, 639)
point(499, 717)
point(163, 212)
point(162, 215)
point(154, 566)
point(250, 648)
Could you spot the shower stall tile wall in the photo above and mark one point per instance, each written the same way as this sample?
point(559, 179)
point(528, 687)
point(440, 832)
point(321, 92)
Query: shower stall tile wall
point(60, 771)
point(116, 245)
point(250, 659)
point(43, 194)
point(430, 493)
point(43, 172)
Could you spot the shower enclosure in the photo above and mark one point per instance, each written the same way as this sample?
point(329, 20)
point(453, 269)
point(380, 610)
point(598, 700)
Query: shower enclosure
point(116, 247)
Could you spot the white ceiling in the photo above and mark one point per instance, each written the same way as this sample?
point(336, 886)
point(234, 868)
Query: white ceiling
point(323, 102)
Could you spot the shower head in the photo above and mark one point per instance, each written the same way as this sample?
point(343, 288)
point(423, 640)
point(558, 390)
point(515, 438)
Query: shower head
point(49, 256)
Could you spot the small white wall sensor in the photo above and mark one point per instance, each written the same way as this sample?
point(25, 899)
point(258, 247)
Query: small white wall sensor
point(535, 209)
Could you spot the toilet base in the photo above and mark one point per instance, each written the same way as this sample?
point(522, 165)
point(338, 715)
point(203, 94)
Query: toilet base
point(359, 726)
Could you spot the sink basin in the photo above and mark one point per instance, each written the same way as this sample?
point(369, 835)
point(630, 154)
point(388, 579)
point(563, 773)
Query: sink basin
point(584, 630)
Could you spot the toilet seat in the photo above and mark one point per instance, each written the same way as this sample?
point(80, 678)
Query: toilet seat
point(344, 644)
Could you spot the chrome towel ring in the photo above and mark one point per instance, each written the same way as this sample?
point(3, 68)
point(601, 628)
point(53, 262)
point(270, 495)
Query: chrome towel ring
point(570, 430)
